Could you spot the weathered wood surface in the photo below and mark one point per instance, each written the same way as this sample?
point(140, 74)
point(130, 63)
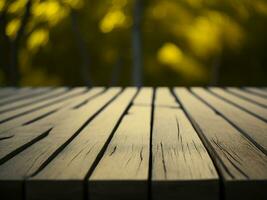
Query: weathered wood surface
point(181, 166)
point(258, 91)
point(4, 117)
point(26, 93)
point(44, 139)
point(250, 126)
point(249, 96)
point(33, 99)
point(22, 136)
point(126, 157)
point(10, 91)
point(242, 165)
point(75, 161)
point(250, 107)
point(37, 111)
point(114, 143)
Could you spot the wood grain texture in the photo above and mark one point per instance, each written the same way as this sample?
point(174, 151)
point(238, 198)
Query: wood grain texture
point(252, 127)
point(113, 143)
point(13, 92)
point(55, 132)
point(8, 91)
point(181, 166)
point(258, 91)
point(18, 138)
point(32, 100)
point(242, 103)
point(122, 173)
point(237, 159)
point(251, 97)
point(32, 107)
point(73, 163)
point(45, 111)
point(26, 94)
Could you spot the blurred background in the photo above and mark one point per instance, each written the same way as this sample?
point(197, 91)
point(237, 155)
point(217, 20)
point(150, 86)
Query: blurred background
point(133, 42)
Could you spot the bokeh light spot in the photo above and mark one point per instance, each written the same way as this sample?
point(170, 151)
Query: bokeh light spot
point(12, 28)
point(112, 20)
point(170, 54)
point(37, 39)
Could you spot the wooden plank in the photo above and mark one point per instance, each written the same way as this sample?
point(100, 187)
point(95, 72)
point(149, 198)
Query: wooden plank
point(23, 135)
point(7, 91)
point(27, 93)
point(242, 165)
point(251, 97)
point(46, 111)
point(63, 177)
point(252, 127)
point(33, 107)
point(181, 166)
point(123, 171)
point(53, 134)
point(12, 93)
point(34, 99)
point(239, 102)
point(257, 91)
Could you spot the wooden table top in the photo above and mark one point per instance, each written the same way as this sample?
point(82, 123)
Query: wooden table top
point(129, 143)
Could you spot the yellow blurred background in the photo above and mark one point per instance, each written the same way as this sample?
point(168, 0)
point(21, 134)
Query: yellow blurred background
point(133, 42)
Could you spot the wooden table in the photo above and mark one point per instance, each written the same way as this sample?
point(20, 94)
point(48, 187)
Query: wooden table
point(129, 143)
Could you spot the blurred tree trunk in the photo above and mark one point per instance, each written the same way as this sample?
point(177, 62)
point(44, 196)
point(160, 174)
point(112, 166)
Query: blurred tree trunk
point(4, 45)
point(116, 72)
point(85, 62)
point(137, 74)
point(216, 68)
point(15, 46)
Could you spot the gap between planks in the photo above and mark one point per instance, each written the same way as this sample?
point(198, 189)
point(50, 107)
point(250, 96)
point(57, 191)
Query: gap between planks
point(17, 168)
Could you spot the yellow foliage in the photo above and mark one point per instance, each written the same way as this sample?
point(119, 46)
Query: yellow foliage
point(160, 10)
point(195, 3)
point(191, 69)
point(2, 4)
point(171, 16)
point(171, 10)
point(203, 36)
point(119, 3)
point(51, 11)
point(17, 6)
point(260, 6)
point(111, 20)
point(230, 32)
point(37, 39)
point(209, 32)
point(115, 17)
point(75, 4)
point(241, 9)
point(12, 28)
point(172, 56)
